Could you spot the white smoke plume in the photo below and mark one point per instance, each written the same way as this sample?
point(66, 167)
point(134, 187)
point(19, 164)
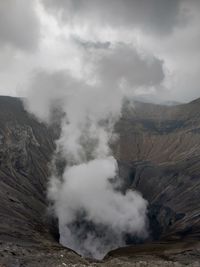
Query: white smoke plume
point(94, 216)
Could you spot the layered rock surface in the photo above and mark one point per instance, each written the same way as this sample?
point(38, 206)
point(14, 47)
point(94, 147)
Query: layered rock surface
point(158, 152)
point(27, 233)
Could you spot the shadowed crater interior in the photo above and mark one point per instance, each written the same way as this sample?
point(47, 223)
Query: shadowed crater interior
point(158, 152)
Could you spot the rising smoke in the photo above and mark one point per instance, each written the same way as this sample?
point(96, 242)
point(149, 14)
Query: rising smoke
point(93, 215)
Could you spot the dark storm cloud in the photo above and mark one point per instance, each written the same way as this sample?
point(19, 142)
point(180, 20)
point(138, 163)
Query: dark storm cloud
point(19, 24)
point(153, 16)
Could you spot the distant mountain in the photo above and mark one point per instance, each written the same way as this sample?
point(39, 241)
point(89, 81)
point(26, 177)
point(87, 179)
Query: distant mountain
point(171, 103)
point(158, 151)
point(149, 99)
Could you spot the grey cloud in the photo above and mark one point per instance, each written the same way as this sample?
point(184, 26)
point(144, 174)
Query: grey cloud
point(119, 63)
point(124, 62)
point(19, 24)
point(91, 45)
point(154, 16)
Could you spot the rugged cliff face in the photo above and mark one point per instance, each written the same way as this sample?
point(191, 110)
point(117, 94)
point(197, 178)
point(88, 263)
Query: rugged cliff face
point(28, 235)
point(25, 150)
point(158, 152)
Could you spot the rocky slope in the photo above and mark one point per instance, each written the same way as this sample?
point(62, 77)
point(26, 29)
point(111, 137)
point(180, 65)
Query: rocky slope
point(27, 233)
point(158, 152)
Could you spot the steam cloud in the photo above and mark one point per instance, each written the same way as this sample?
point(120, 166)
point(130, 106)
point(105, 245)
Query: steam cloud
point(94, 216)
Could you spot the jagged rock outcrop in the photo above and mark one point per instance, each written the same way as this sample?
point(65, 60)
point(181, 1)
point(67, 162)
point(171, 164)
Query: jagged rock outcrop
point(158, 152)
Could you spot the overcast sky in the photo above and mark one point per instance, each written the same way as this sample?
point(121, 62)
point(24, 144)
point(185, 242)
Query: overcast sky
point(152, 45)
